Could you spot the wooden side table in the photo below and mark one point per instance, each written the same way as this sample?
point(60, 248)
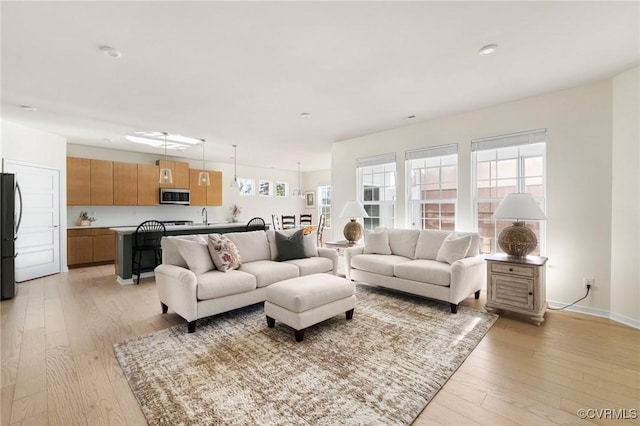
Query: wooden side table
point(517, 285)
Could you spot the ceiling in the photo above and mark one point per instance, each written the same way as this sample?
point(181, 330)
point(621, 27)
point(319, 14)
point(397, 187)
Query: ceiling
point(244, 72)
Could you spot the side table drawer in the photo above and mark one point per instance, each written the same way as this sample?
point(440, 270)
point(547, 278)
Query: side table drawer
point(512, 291)
point(510, 269)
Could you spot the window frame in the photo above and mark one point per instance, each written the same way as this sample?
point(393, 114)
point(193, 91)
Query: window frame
point(373, 164)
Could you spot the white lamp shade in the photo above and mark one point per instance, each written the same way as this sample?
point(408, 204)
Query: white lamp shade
point(353, 209)
point(234, 183)
point(519, 206)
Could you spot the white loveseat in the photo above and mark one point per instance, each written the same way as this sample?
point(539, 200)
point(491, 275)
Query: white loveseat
point(410, 264)
point(190, 285)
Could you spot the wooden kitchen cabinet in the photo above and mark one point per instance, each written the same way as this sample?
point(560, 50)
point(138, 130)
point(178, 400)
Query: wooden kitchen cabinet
point(125, 184)
point(78, 181)
point(101, 183)
point(90, 246)
point(148, 185)
point(205, 195)
point(179, 173)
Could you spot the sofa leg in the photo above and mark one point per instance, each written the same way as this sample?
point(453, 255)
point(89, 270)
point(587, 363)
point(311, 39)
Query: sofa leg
point(271, 322)
point(299, 335)
point(454, 308)
point(191, 326)
point(165, 308)
point(477, 294)
point(349, 314)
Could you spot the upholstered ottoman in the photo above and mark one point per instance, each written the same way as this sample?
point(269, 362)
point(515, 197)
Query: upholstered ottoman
point(303, 301)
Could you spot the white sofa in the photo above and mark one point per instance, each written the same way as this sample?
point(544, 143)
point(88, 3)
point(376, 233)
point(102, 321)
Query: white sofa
point(194, 289)
point(411, 264)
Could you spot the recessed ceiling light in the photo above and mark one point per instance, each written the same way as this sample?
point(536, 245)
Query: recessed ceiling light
point(305, 115)
point(488, 49)
point(110, 51)
point(28, 108)
point(157, 139)
point(411, 116)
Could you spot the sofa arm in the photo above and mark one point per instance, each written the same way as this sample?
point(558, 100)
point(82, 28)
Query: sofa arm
point(178, 288)
point(468, 275)
point(331, 255)
point(348, 254)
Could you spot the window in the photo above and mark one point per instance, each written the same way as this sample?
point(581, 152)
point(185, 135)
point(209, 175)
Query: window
point(377, 189)
point(432, 185)
point(324, 204)
point(502, 165)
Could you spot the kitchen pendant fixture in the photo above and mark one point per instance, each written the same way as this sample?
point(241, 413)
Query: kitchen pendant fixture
point(234, 182)
point(165, 172)
point(298, 193)
point(203, 177)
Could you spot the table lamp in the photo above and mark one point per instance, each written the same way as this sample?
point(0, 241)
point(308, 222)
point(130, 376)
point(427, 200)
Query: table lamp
point(517, 240)
point(353, 230)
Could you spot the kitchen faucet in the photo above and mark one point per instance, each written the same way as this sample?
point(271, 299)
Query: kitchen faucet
point(205, 216)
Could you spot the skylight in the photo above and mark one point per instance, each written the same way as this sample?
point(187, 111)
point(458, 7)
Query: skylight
point(156, 140)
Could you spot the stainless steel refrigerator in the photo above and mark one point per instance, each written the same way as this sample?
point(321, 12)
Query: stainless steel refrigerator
point(10, 217)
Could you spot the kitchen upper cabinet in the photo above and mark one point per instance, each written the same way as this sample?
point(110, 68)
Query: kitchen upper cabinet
point(125, 188)
point(101, 183)
point(78, 181)
point(148, 186)
point(205, 195)
point(179, 173)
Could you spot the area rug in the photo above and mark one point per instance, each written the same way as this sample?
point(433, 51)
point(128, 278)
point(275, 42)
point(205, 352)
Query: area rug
point(380, 368)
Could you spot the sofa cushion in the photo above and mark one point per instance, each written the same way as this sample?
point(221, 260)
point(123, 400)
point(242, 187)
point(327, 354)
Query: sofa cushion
point(376, 242)
point(403, 242)
point(268, 272)
point(290, 246)
point(223, 252)
point(382, 264)
point(429, 242)
point(252, 245)
point(313, 265)
point(454, 247)
point(214, 284)
point(310, 242)
point(196, 254)
point(170, 254)
point(426, 271)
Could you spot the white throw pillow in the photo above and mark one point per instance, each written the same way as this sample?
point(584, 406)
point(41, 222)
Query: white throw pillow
point(376, 242)
point(429, 242)
point(453, 248)
point(196, 254)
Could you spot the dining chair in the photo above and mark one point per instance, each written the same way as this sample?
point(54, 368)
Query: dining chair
point(288, 221)
point(256, 224)
point(320, 229)
point(305, 219)
point(275, 221)
point(146, 238)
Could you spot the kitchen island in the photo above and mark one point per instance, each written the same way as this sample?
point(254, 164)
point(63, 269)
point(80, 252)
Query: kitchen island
point(124, 244)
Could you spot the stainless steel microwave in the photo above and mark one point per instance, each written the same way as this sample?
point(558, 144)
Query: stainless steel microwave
point(175, 196)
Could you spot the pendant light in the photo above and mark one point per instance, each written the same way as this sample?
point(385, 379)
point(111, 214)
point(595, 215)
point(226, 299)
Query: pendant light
point(203, 177)
point(165, 173)
point(234, 181)
point(298, 193)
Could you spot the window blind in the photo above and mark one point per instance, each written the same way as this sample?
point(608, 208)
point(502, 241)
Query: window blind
point(376, 160)
point(504, 141)
point(436, 151)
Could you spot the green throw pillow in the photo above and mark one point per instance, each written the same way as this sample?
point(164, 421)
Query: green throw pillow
point(290, 247)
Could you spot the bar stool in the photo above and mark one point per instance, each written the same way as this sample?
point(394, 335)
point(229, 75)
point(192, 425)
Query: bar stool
point(146, 238)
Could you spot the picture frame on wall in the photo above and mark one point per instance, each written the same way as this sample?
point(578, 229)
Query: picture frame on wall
point(247, 187)
point(309, 199)
point(264, 188)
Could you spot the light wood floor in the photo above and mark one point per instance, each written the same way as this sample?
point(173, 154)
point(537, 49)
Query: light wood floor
point(58, 366)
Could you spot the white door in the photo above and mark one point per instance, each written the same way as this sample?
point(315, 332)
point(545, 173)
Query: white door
point(38, 243)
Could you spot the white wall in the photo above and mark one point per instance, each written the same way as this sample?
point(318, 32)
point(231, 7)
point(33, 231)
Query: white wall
point(34, 146)
point(625, 223)
point(251, 205)
point(579, 126)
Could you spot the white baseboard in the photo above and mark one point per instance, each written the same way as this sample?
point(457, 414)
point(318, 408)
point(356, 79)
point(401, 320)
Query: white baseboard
point(598, 313)
point(131, 280)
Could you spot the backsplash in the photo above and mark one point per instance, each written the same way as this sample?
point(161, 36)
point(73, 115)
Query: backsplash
point(108, 216)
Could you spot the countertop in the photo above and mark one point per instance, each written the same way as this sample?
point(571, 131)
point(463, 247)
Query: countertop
point(123, 230)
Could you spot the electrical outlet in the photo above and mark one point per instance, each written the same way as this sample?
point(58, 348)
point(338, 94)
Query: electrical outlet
point(588, 282)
